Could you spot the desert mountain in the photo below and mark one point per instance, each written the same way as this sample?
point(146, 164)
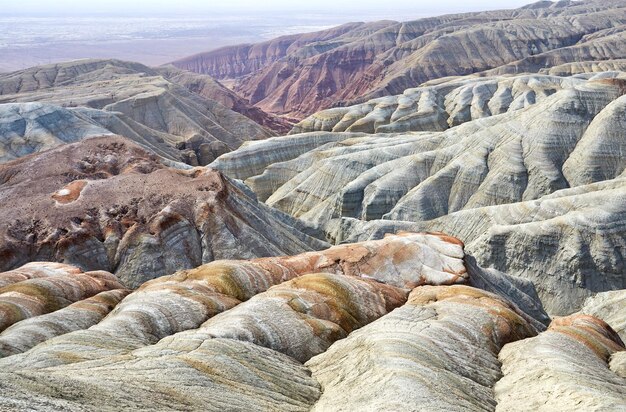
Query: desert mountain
point(398, 310)
point(402, 249)
point(185, 117)
point(107, 204)
point(503, 163)
point(300, 74)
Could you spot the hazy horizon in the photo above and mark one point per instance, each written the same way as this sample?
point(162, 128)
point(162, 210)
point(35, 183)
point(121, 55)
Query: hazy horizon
point(182, 7)
point(34, 32)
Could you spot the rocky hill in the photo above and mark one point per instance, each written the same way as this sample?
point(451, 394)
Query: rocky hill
point(300, 74)
point(505, 164)
point(184, 117)
point(107, 204)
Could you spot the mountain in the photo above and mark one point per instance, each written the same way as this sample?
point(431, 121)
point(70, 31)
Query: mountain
point(185, 122)
point(525, 170)
point(298, 75)
point(105, 203)
point(447, 234)
point(329, 319)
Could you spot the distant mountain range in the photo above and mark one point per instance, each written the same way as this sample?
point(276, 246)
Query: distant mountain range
point(300, 74)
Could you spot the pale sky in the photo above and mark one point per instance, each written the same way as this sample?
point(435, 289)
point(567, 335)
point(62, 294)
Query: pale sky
point(63, 7)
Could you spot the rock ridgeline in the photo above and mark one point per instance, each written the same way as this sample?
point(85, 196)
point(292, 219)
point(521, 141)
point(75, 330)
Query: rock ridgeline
point(298, 75)
point(302, 332)
point(107, 204)
point(545, 171)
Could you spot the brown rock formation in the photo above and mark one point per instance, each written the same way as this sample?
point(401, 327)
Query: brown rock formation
point(105, 203)
point(401, 261)
point(83, 314)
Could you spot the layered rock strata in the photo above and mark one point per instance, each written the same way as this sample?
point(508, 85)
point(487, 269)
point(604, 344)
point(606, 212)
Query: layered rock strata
point(108, 204)
point(60, 103)
point(565, 368)
point(400, 354)
point(38, 296)
point(361, 283)
point(300, 74)
point(531, 191)
point(146, 316)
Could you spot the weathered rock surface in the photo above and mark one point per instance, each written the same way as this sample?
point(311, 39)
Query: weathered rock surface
point(35, 270)
point(224, 374)
point(176, 121)
point(79, 315)
point(300, 74)
point(569, 244)
point(34, 127)
point(532, 192)
point(146, 316)
point(413, 358)
point(107, 204)
point(439, 106)
point(40, 295)
point(611, 308)
point(245, 355)
point(565, 368)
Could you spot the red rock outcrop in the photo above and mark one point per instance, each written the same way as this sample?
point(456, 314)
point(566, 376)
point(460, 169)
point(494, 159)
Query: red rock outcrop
point(108, 204)
point(300, 74)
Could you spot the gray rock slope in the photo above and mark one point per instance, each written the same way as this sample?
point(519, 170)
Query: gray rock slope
point(132, 100)
point(536, 181)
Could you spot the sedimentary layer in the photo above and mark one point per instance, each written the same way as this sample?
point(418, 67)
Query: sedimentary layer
point(531, 191)
point(108, 204)
point(192, 122)
point(565, 368)
point(301, 74)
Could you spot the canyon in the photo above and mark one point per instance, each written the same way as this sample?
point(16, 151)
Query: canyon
point(382, 216)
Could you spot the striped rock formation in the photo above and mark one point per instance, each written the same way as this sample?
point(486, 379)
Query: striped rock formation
point(106, 203)
point(191, 122)
point(186, 299)
point(293, 308)
point(530, 191)
point(300, 74)
point(611, 308)
point(565, 368)
point(41, 300)
point(437, 352)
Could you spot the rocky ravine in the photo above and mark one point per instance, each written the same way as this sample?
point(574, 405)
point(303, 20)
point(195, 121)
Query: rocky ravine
point(525, 170)
point(301, 333)
point(298, 75)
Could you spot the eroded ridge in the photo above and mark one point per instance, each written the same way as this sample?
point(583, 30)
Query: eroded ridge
point(438, 351)
point(246, 354)
point(565, 368)
point(50, 289)
point(188, 298)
